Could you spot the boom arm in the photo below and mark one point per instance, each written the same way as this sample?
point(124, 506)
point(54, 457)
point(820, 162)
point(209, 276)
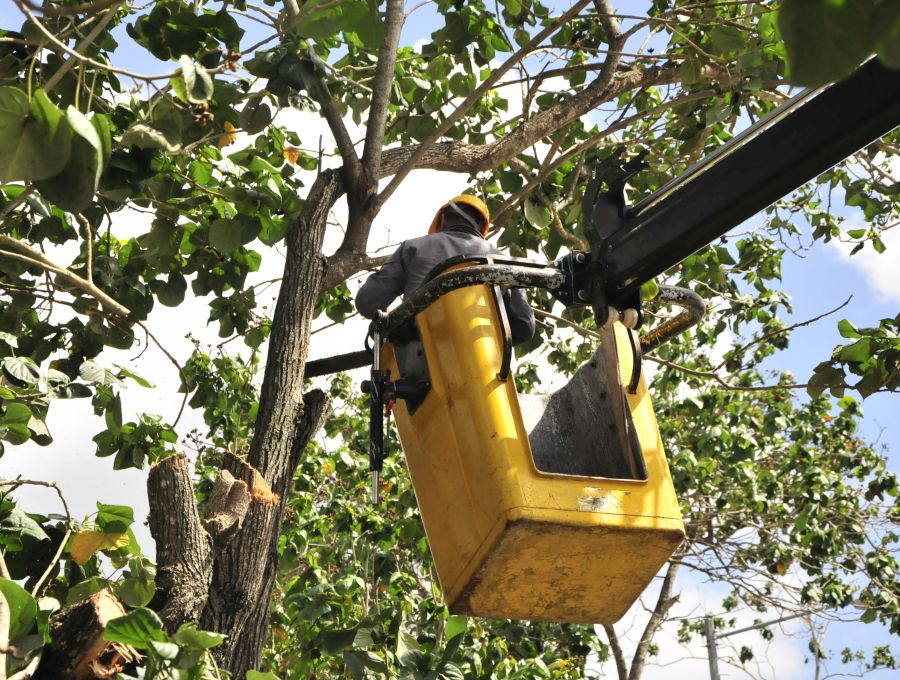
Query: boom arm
point(801, 139)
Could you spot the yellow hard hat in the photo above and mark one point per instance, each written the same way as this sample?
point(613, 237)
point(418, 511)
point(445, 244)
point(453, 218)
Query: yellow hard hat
point(468, 199)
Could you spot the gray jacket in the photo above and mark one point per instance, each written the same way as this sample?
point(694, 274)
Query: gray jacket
point(407, 268)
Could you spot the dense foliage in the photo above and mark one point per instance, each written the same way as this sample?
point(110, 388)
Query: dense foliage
point(782, 498)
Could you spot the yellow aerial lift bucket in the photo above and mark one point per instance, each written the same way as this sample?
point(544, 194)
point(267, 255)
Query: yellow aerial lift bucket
point(557, 507)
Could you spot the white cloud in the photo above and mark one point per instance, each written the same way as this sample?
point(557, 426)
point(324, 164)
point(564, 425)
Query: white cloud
point(880, 271)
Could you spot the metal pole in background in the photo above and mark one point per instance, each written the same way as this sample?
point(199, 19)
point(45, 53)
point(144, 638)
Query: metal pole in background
point(712, 638)
point(711, 648)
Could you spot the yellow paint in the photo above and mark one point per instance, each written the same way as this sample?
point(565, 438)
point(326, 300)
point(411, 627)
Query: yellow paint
point(507, 540)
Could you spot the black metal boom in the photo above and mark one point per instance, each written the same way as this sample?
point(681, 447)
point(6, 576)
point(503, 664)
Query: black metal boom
point(800, 140)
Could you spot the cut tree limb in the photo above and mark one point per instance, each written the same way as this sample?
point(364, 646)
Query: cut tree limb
point(183, 547)
point(79, 650)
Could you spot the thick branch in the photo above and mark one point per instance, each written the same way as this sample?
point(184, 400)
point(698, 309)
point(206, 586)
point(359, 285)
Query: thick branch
point(78, 647)
point(419, 152)
point(381, 87)
point(663, 603)
point(343, 265)
point(183, 547)
point(16, 250)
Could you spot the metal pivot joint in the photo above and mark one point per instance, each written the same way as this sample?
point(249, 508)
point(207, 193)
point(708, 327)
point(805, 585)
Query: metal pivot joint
point(604, 216)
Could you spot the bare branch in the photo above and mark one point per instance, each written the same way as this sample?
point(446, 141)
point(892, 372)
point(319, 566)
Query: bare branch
point(743, 348)
point(618, 654)
point(420, 151)
point(33, 258)
point(83, 45)
point(663, 603)
point(381, 87)
point(69, 10)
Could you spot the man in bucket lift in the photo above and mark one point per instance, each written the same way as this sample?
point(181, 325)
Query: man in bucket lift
point(459, 228)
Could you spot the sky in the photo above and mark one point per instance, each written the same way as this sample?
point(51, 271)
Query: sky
point(817, 283)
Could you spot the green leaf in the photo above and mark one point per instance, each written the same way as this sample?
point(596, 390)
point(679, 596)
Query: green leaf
point(128, 373)
point(19, 523)
point(22, 608)
point(9, 339)
point(456, 625)
point(461, 84)
point(101, 125)
point(14, 413)
point(136, 591)
point(847, 329)
point(825, 39)
point(137, 628)
point(858, 352)
point(690, 71)
point(84, 589)
point(23, 369)
point(538, 216)
point(74, 187)
point(93, 372)
point(35, 139)
point(727, 38)
point(188, 636)
point(114, 518)
point(259, 675)
point(145, 136)
point(226, 236)
point(649, 290)
point(255, 116)
point(195, 86)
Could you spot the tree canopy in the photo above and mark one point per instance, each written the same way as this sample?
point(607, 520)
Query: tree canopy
point(290, 573)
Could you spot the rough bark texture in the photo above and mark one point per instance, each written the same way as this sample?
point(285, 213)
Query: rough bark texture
point(183, 546)
point(226, 508)
point(78, 650)
point(244, 572)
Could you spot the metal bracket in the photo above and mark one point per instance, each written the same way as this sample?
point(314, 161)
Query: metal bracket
point(604, 216)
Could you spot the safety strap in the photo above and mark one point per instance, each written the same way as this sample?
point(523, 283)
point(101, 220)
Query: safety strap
point(462, 213)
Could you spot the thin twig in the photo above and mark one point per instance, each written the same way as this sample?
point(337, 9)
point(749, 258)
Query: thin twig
point(176, 364)
point(82, 46)
point(15, 483)
point(69, 10)
point(780, 331)
point(17, 201)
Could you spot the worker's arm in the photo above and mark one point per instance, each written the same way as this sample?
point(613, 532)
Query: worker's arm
point(521, 316)
point(382, 287)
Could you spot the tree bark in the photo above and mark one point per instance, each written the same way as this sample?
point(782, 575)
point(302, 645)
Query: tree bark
point(78, 650)
point(663, 604)
point(183, 547)
point(244, 572)
point(618, 654)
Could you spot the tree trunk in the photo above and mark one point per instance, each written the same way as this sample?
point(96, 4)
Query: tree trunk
point(183, 547)
point(244, 572)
